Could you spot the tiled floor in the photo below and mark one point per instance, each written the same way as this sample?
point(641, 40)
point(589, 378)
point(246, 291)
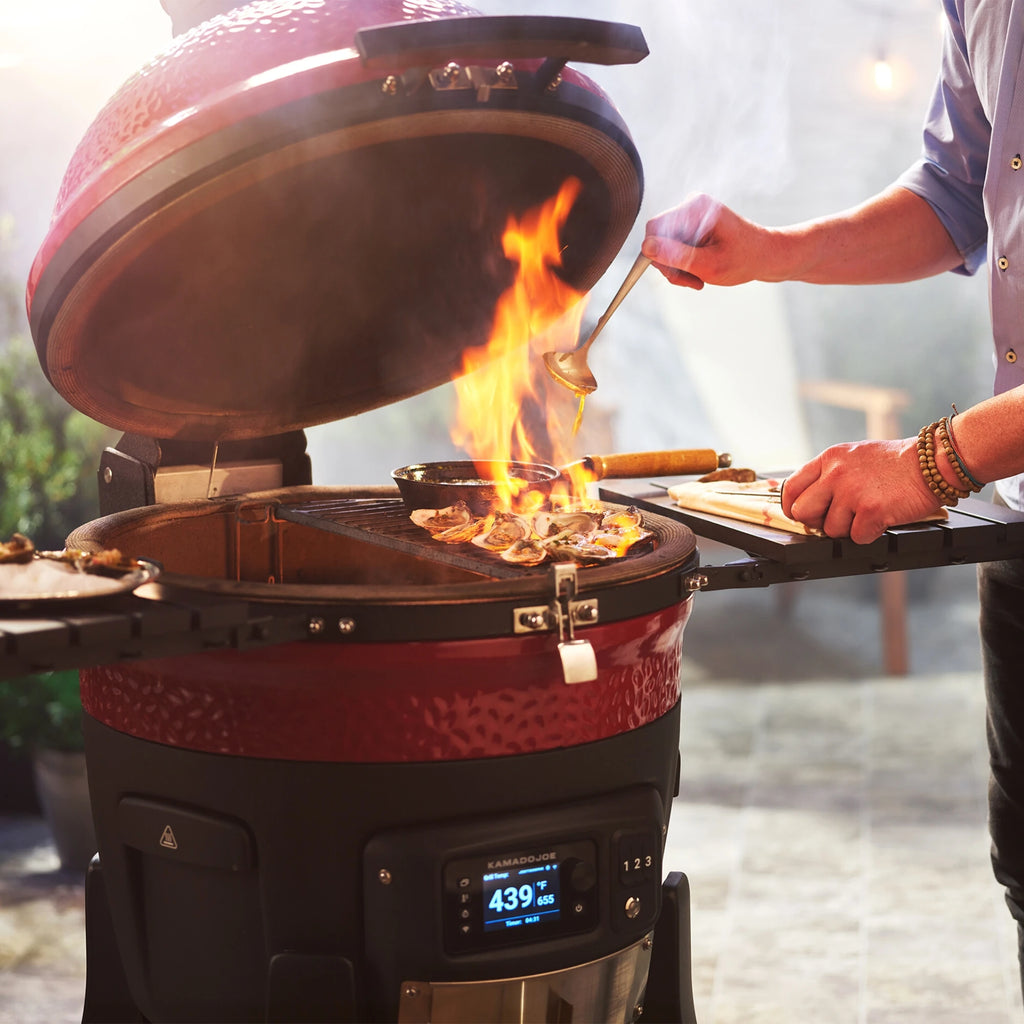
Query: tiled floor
point(833, 825)
point(42, 929)
point(831, 822)
point(834, 838)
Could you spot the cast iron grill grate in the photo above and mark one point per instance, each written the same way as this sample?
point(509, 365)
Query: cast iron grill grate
point(385, 521)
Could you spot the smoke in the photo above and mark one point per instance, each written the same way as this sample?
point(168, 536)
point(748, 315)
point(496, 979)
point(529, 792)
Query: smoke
point(708, 108)
point(709, 111)
point(758, 102)
point(767, 106)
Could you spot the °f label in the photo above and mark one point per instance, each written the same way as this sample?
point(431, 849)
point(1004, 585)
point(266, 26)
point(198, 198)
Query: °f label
point(167, 840)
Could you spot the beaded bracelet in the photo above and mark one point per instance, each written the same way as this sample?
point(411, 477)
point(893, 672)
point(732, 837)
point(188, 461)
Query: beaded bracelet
point(946, 493)
point(942, 432)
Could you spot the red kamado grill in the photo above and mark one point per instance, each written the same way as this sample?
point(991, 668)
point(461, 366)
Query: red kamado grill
point(340, 772)
point(412, 811)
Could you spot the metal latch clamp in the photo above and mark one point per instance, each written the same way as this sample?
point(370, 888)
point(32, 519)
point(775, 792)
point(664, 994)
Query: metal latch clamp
point(579, 662)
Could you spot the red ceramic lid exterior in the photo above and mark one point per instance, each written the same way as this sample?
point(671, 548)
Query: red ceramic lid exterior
point(254, 236)
point(250, 58)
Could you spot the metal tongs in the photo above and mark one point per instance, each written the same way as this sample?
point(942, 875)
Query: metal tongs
point(570, 368)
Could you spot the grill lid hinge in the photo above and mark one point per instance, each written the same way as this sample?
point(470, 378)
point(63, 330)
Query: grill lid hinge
point(142, 471)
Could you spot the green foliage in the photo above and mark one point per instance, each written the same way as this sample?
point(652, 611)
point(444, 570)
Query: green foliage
point(48, 453)
point(41, 711)
point(48, 458)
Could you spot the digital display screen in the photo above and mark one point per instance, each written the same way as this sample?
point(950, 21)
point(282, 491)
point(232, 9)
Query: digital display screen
point(519, 897)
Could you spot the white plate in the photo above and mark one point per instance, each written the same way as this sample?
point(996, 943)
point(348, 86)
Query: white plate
point(44, 579)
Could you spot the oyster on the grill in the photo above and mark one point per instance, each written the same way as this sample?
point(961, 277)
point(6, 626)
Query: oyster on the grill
point(619, 519)
point(525, 552)
point(547, 524)
point(437, 519)
point(576, 534)
point(618, 542)
point(464, 532)
point(578, 549)
point(507, 529)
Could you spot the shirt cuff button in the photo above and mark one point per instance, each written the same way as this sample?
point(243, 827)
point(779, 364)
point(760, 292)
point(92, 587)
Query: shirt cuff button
point(1011, 356)
point(1016, 163)
point(1002, 262)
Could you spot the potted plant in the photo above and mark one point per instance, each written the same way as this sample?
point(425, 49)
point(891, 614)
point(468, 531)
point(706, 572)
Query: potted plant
point(42, 715)
point(47, 487)
point(17, 787)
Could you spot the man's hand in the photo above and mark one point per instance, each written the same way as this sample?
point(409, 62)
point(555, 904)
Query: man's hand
point(702, 241)
point(894, 236)
point(860, 489)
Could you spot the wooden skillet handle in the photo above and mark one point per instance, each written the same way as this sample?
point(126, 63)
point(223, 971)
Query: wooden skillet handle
point(681, 462)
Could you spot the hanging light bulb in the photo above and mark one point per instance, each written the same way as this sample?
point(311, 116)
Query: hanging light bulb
point(883, 74)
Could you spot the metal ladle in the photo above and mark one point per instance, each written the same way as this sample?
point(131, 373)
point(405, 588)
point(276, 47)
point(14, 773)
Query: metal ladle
point(570, 368)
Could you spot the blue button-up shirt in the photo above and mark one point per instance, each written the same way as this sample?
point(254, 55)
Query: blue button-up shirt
point(972, 168)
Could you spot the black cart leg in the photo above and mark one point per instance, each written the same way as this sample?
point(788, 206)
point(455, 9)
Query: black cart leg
point(669, 996)
point(107, 998)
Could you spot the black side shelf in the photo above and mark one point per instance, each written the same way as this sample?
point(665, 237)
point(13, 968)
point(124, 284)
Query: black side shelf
point(976, 531)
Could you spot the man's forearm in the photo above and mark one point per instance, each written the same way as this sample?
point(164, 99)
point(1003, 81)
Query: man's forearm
point(892, 237)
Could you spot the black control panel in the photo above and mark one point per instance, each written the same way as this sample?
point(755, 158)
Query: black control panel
point(586, 875)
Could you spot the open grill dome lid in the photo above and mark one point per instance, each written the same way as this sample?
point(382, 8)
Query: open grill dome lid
point(294, 213)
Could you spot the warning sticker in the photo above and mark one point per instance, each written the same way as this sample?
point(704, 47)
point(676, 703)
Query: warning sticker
point(167, 840)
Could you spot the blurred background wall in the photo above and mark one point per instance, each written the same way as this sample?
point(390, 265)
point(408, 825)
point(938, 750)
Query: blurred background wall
point(785, 109)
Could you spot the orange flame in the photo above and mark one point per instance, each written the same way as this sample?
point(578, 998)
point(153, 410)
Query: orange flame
point(504, 379)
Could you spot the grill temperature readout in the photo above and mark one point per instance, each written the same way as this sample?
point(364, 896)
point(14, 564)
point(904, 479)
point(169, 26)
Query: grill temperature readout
point(520, 897)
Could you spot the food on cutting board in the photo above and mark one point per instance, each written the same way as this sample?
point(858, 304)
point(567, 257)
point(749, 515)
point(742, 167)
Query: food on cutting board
point(737, 476)
point(757, 501)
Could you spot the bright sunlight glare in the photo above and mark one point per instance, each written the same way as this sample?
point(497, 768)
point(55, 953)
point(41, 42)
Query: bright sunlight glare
point(65, 39)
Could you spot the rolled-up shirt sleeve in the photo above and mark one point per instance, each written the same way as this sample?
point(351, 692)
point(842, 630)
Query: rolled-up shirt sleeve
point(950, 175)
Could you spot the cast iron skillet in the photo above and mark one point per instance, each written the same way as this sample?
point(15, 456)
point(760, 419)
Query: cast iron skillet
point(440, 484)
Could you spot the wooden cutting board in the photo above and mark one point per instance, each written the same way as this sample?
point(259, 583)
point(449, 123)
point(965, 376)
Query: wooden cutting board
point(758, 502)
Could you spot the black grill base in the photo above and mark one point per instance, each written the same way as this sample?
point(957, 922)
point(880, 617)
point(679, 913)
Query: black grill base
point(227, 934)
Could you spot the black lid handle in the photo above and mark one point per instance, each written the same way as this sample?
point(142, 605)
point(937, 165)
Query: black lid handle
point(505, 37)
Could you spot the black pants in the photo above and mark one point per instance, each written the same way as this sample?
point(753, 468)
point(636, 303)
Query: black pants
point(1001, 591)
